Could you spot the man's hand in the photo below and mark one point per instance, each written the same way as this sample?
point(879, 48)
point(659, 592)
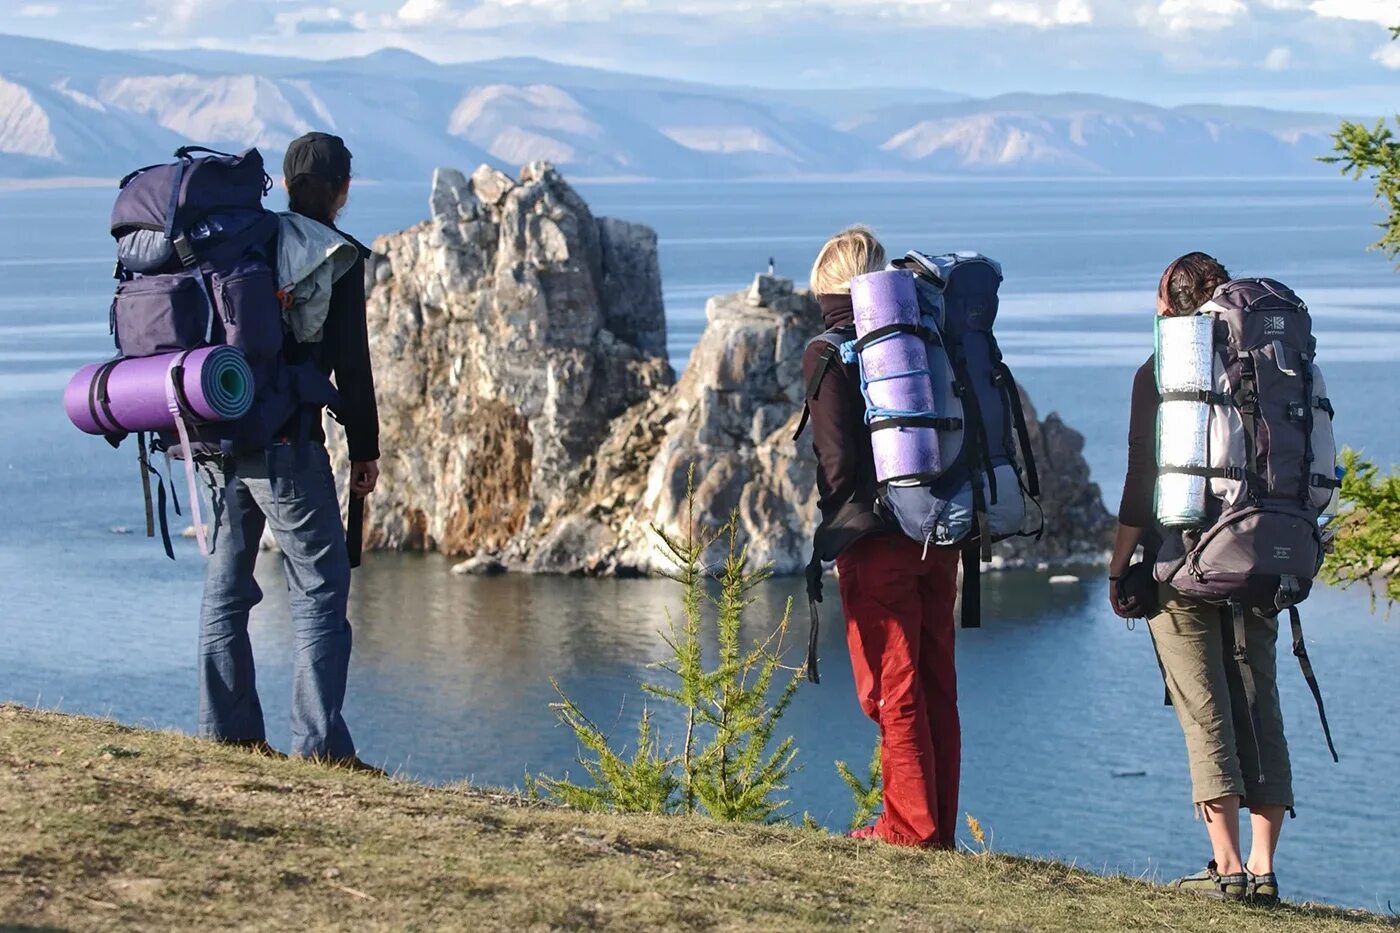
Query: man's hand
point(1122, 609)
point(364, 477)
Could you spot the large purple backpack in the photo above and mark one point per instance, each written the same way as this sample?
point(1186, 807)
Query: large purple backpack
point(1270, 466)
point(955, 465)
point(196, 267)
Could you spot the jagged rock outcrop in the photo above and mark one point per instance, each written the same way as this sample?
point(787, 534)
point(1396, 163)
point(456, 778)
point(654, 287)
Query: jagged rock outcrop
point(503, 349)
point(529, 418)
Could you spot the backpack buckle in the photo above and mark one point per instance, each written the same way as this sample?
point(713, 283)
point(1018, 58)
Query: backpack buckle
point(184, 250)
point(1290, 592)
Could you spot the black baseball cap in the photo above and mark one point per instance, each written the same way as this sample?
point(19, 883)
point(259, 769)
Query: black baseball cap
point(319, 154)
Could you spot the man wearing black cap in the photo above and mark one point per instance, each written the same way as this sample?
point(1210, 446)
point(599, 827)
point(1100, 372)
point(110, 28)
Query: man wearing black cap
point(290, 488)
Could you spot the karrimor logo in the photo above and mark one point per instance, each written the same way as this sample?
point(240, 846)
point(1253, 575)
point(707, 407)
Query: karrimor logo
point(1283, 553)
point(1275, 324)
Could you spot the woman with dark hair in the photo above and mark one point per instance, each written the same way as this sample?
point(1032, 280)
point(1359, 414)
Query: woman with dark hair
point(1194, 641)
point(289, 488)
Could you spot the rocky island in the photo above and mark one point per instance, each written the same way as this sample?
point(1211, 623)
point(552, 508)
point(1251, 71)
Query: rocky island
point(530, 419)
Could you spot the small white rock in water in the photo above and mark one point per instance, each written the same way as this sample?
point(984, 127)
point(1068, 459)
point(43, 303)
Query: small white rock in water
point(1066, 578)
point(483, 565)
point(121, 530)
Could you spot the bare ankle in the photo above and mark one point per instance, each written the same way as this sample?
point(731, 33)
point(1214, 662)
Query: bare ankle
point(1229, 865)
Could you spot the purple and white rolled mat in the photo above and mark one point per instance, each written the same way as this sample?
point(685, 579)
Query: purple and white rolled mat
point(896, 376)
point(134, 394)
point(158, 394)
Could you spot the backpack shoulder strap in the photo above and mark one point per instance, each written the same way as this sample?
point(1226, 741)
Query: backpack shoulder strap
point(831, 341)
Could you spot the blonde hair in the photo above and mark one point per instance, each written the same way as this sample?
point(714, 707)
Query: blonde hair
point(852, 252)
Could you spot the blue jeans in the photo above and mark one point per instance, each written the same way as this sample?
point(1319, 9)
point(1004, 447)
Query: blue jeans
point(292, 492)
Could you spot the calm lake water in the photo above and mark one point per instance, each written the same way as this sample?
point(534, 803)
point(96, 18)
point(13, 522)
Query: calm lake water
point(451, 675)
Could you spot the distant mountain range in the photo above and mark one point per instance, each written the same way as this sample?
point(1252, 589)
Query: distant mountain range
point(67, 111)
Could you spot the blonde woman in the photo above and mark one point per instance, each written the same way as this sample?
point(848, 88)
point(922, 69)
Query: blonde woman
point(898, 601)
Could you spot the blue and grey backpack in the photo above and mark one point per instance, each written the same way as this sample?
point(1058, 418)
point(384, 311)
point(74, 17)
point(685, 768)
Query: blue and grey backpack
point(196, 267)
point(986, 487)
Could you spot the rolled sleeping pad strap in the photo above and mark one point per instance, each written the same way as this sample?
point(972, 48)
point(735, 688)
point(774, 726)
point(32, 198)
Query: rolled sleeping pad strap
point(177, 400)
point(129, 395)
point(895, 374)
point(1185, 361)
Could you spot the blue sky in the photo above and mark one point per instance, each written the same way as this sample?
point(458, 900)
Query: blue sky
point(1298, 54)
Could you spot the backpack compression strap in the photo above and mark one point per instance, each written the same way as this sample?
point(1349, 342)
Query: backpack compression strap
point(814, 596)
point(968, 395)
point(972, 585)
point(1251, 692)
point(1300, 651)
point(1007, 382)
point(355, 530)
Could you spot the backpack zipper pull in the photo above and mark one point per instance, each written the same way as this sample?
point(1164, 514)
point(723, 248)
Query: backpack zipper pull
point(928, 539)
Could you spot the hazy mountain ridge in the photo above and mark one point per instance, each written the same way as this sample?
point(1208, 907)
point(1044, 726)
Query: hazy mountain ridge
point(69, 111)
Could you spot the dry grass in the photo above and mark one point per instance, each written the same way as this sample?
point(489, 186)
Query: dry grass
point(102, 826)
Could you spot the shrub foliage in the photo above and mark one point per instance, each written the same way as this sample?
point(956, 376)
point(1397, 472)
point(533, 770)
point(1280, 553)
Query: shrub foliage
point(729, 762)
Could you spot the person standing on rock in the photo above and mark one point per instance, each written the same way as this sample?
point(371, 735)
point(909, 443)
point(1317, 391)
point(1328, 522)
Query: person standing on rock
point(898, 597)
point(289, 488)
point(1229, 749)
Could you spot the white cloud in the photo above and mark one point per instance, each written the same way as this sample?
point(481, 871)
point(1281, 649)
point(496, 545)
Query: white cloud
point(954, 13)
point(1382, 12)
point(200, 18)
point(1062, 13)
point(1278, 59)
point(39, 10)
point(1194, 15)
point(426, 11)
point(1388, 55)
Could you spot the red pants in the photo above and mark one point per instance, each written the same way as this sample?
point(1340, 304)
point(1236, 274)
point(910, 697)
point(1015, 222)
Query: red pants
point(899, 627)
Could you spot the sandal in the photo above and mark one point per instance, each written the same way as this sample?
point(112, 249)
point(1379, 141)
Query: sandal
point(1210, 883)
point(1263, 889)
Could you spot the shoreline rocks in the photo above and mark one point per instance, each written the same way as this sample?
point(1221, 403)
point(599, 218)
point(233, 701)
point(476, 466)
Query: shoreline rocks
point(531, 422)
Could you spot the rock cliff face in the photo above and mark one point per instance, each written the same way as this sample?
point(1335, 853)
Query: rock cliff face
point(507, 333)
point(529, 418)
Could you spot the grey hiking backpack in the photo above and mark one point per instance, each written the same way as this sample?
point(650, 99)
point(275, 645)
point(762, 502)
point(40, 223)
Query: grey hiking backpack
point(1245, 425)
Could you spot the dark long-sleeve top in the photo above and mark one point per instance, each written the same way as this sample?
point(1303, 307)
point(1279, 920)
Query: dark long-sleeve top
point(1137, 509)
point(846, 484)
point(344, 354)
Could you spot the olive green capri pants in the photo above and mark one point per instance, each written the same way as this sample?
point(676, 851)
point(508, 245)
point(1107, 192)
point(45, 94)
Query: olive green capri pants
point(1195, 644)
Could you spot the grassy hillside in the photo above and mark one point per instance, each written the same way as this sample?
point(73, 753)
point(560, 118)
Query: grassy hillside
point(102, 826)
